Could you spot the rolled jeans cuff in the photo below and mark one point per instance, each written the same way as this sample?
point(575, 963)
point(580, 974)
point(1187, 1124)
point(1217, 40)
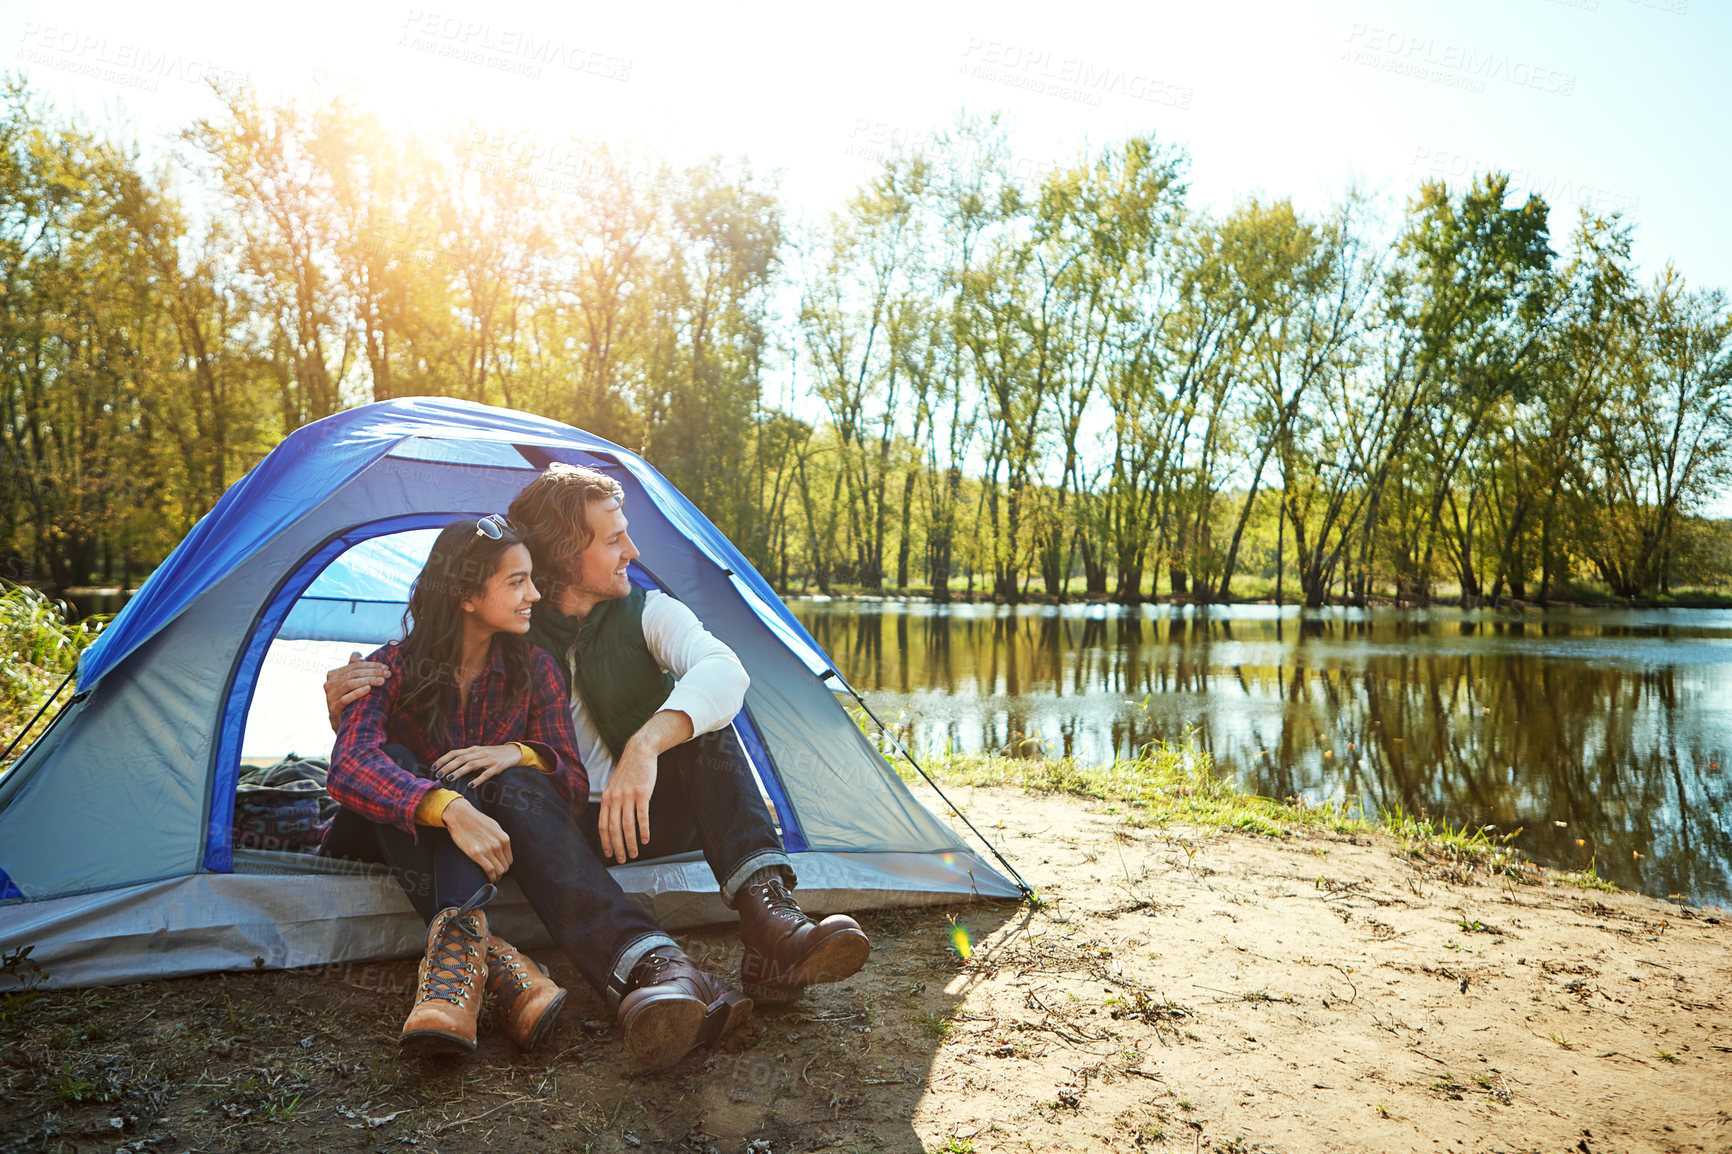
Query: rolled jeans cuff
point(762, 859)
point(619, 980)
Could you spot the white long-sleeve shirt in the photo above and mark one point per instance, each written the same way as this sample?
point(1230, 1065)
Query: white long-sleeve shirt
point(711, 688)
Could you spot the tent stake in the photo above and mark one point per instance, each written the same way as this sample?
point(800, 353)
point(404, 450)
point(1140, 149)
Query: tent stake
point(1028, 890)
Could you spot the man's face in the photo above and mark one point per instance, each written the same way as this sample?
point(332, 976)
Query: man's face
point(601, 566)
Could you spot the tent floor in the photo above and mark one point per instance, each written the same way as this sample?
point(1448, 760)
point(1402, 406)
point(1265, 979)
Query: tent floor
point(276, 913)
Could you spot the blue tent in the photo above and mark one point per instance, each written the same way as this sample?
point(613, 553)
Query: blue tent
point(116, 854)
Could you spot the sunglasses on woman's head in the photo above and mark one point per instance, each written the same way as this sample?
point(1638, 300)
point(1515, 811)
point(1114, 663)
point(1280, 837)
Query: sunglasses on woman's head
point(493, 527)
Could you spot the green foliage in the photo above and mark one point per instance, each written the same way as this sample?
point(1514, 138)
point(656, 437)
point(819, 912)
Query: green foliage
point(1589, 879)
point(1469, 845)
point(17, 964)
point(934, 1026)
point(1163, 784)
point(38, 648)
point(1000, 381)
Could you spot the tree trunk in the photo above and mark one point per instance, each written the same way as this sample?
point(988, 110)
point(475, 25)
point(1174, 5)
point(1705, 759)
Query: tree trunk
point(1280, 546)
point(905, 538)
point(1094, 569)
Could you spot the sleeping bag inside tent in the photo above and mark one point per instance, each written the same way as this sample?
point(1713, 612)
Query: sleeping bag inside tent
point(118, 854)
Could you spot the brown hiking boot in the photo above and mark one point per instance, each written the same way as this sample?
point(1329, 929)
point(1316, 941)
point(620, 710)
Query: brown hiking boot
point(450, 982)
point(674, 1006)
point(523, 997)
point(786, 950)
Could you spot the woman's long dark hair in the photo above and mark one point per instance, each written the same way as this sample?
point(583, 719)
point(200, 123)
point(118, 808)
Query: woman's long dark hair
point(459, 566)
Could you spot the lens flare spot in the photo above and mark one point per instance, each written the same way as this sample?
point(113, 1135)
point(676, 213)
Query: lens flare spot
point(959, 939)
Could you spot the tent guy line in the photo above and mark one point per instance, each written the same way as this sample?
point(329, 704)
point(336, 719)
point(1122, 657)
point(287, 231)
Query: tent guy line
point(1027, 890)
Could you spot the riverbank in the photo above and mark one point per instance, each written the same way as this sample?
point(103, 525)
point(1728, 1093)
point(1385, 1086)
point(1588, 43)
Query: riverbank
point(1687, 599)
point(109, 599)
point(1202, 971)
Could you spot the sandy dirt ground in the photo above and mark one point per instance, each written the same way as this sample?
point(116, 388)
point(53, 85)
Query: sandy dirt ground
point(1175, 990)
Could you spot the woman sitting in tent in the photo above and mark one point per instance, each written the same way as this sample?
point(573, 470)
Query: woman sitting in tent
point(426, 768)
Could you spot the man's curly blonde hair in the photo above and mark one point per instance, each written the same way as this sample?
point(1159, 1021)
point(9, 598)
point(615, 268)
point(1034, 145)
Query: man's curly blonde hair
point(553, 510)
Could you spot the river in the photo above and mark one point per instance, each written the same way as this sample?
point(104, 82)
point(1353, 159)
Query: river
point(1615, 723)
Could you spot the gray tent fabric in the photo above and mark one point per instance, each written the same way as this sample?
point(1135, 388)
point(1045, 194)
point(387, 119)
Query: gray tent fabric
point(210, 922)
point(114, 825)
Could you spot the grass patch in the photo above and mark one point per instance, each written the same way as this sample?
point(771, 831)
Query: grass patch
point(1164, 784)
point(38, 648)
point(1588, 879)
point(1176, 784)
point(1694, 599)
point(1458, 852)
point(934, 1026)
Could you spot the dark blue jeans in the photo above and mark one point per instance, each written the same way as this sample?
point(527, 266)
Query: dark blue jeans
point(706, 798)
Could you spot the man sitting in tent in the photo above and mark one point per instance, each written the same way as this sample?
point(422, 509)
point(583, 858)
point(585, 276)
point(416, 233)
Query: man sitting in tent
point(653, 694)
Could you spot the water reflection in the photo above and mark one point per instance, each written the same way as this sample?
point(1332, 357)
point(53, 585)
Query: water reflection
point(1616, 723)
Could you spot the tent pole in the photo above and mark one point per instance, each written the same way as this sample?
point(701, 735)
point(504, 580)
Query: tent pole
point(49, 700)
point(1028, 890)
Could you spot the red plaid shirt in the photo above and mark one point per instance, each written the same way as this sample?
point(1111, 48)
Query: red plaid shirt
point(365, 780)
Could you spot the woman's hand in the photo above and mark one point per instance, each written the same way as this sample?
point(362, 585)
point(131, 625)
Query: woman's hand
point(479, 837)
point(478, 763)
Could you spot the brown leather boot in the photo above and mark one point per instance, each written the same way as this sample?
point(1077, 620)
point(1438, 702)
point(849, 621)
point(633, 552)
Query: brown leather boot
point(786, 950)
point(523, 997)
point(451, 978)
point(674, 1006)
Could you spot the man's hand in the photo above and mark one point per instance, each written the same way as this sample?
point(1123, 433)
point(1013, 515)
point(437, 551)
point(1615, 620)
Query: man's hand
point(624, 821)
point(351, 683)
point(477, 762)
point(479, 837)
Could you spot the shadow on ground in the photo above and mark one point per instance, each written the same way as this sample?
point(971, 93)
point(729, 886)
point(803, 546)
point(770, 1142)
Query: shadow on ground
point(308, 1059)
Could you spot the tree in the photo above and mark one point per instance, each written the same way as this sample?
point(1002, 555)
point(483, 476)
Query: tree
point(697, 398)
point(1099, 224)
point(282, 199)
point(89, 364)
point(1308, 285)
point(1663, 440)
point(1467, 311)
point(861, 317)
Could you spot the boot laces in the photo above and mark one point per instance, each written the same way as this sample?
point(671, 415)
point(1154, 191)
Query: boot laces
point(777, 900)
point(655, 961)
point(503, 963)
point(450, 976)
